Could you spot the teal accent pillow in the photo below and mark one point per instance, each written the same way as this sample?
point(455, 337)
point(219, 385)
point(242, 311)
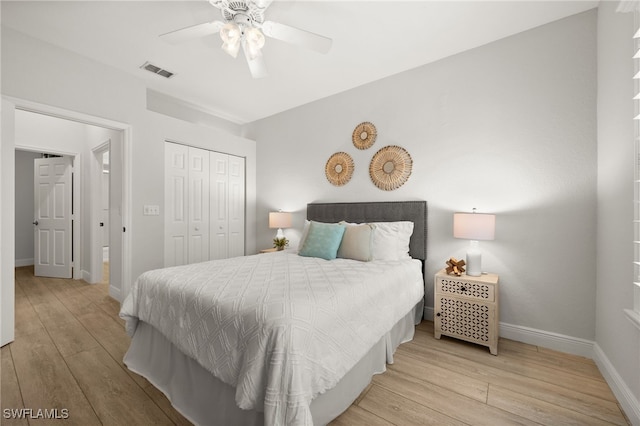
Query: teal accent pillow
point(323, 240)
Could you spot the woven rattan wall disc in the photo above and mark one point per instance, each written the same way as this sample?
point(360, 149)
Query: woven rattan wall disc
point(390, 167)
point(339, 168)
point(364, 135)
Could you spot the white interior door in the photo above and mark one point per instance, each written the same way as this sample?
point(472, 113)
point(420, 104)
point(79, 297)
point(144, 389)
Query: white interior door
point(176, 204)
point(236, 206)
point(219, 205)
point(52, 217)
point(198, 205)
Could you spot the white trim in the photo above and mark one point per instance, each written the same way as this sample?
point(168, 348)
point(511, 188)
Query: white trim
point(86, 276)
point(23, 262)
point(630, 405)
point(95, 213)
point(547, 339)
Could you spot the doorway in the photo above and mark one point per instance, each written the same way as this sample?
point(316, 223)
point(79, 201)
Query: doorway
point(98, 219)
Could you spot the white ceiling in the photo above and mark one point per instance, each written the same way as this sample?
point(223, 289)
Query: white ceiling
point(371, 40)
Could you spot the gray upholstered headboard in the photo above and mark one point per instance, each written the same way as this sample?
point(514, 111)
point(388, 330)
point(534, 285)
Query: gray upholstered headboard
point(384, 211)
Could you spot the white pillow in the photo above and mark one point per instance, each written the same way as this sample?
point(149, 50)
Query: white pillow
point(305, 232)
point(391, 240)
point(357, 242)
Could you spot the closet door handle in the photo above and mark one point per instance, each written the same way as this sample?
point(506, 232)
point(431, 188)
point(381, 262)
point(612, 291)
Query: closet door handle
point(35, 222)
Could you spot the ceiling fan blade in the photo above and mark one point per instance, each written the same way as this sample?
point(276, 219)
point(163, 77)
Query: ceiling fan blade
point(297, 36)
point(256, 65)
point(192, 32)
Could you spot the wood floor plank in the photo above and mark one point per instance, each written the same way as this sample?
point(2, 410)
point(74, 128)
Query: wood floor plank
point(456, 380)
point(10, 390)
point(45, 379)
point(27, 320)
point(70, 337)
point(444, 401)
point(598, 407)
point(514, 364)
point(116, 398)
point(111, 337)
point(356, 416)
point(537, 410)
point(563, 363)
point(402, 411)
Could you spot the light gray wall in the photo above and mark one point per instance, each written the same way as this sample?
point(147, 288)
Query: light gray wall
point(508, 128)
point(24, 207)
point(618, 339)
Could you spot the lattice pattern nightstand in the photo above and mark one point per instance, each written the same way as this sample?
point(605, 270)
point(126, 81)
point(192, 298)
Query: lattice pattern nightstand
point(467, 308)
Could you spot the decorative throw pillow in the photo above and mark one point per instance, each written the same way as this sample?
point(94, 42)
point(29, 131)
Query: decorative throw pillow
point(303, 236)
point(391, 240)
point(356, 242)
point(322, 240)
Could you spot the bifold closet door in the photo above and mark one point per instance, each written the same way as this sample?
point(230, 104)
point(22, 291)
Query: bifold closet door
point(219, 205)
point(186, 204)
point(176, 202)
point(227, 205)
point(198, 205)
point(236, 205)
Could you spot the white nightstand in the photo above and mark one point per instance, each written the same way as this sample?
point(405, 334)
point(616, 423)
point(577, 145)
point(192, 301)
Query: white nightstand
point(467, 308)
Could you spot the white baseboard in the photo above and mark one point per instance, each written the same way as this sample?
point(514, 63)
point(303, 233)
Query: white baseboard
point(86, 275)
point(629, 403)
point(548, 339)
point(24, 262)
point(115, 293)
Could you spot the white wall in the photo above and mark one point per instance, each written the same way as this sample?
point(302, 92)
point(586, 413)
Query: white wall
point(617, 339)
point(508, 128)
point(24, 207)
point(76, 83)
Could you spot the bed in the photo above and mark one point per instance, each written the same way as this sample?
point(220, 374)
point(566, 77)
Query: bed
point(278, 338)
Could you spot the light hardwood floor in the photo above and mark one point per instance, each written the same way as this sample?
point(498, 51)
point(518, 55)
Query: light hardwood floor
point(70, 344)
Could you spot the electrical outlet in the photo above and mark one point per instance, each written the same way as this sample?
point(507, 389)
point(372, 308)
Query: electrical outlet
point(151, 210)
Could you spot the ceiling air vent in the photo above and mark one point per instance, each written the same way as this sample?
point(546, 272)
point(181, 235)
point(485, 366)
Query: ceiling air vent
point(156, 70)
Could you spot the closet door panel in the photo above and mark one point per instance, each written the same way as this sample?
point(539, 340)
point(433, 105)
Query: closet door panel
point(236, 205)
point(219, 180)
point(176, 205)
point(198, 205)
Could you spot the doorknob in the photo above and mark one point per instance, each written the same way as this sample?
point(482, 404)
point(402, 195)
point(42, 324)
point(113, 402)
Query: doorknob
point(35, 222)
point(101, 223)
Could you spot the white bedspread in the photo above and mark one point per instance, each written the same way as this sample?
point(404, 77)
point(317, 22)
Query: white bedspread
point(279, 327)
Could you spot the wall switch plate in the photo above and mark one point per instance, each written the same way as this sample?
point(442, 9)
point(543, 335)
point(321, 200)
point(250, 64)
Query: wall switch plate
point(151, 210)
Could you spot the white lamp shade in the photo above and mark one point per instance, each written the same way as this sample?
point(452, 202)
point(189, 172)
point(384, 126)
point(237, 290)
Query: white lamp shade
point(474, 226)
point(279, 220)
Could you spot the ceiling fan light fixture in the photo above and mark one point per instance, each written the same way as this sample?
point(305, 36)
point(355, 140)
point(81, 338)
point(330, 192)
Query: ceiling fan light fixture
point(231, 48)
point(254, 42)
point(231, 34)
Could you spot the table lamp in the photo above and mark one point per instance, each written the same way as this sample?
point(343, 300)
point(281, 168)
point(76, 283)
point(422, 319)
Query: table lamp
point(279, 220)
point(474, 226)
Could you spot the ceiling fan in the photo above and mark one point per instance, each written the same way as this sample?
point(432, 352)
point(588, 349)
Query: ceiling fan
point(243, 25)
